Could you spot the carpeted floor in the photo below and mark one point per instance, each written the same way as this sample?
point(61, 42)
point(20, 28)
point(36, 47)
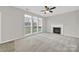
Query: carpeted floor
point(42, 42)
point(47, 42)
point(7, 47)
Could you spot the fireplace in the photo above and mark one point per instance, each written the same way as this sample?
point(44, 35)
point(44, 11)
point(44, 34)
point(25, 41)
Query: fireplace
point(57, 29)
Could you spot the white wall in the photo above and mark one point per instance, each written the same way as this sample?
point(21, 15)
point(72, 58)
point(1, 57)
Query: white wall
point(12, 23)
point(0, 27)
point(44, 24)
point(69, 20)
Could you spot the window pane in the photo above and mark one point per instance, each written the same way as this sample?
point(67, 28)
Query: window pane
point(40, 24)
point(34, 24)
point(27, 24)
point(27, 30)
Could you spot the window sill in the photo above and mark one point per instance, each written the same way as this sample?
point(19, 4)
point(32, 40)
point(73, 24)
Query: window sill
point(32, 34)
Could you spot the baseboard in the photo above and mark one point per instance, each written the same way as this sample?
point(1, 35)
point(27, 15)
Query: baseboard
point(18, 38)
point(71, 35)
point(10, 40)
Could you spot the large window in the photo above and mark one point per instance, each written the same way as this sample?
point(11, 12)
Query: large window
point(27, 24)
point(32, 24)
point(39, 24)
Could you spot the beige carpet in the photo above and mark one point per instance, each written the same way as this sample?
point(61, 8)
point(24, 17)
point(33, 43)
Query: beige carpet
point(47, 42)
point(7, 47)
point(42, 42)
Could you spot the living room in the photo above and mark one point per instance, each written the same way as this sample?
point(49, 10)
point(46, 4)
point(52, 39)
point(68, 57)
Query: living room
point(36, 28)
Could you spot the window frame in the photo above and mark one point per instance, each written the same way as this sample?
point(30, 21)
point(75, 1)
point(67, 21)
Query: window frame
point(32, 25)
point(27, 26)
point(41, 24)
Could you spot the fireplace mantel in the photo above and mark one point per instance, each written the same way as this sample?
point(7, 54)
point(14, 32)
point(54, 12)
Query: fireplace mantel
point(60, 25)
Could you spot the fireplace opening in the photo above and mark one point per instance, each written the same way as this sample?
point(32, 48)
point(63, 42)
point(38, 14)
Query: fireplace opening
point(57, 30)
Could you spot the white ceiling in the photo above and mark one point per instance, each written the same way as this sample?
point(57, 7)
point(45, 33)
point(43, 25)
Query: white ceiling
point(58, 10)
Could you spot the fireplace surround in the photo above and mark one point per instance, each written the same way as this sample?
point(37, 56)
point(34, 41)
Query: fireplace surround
point(57, 29)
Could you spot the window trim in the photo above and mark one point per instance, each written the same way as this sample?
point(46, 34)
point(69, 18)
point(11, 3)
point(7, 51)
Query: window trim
point(32, 26)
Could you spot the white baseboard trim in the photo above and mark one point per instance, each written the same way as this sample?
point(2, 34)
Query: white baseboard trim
point(32, 34)
point(18, 38)
point(10, 40)
point(71, 35)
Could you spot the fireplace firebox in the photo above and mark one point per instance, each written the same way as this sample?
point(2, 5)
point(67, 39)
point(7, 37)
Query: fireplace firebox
point(57, 30)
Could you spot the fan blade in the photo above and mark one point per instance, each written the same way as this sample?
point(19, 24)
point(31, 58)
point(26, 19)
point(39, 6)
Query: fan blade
point(52, 8)
point(46, 8)
point(51, 11)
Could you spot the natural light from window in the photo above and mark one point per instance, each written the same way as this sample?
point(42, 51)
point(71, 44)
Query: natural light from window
point(32, 24)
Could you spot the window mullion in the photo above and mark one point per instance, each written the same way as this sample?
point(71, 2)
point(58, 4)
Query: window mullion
point(31, 24)
point(41, 25)
point(37, 24)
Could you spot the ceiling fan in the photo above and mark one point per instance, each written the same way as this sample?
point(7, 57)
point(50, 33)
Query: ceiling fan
point(47, 9)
